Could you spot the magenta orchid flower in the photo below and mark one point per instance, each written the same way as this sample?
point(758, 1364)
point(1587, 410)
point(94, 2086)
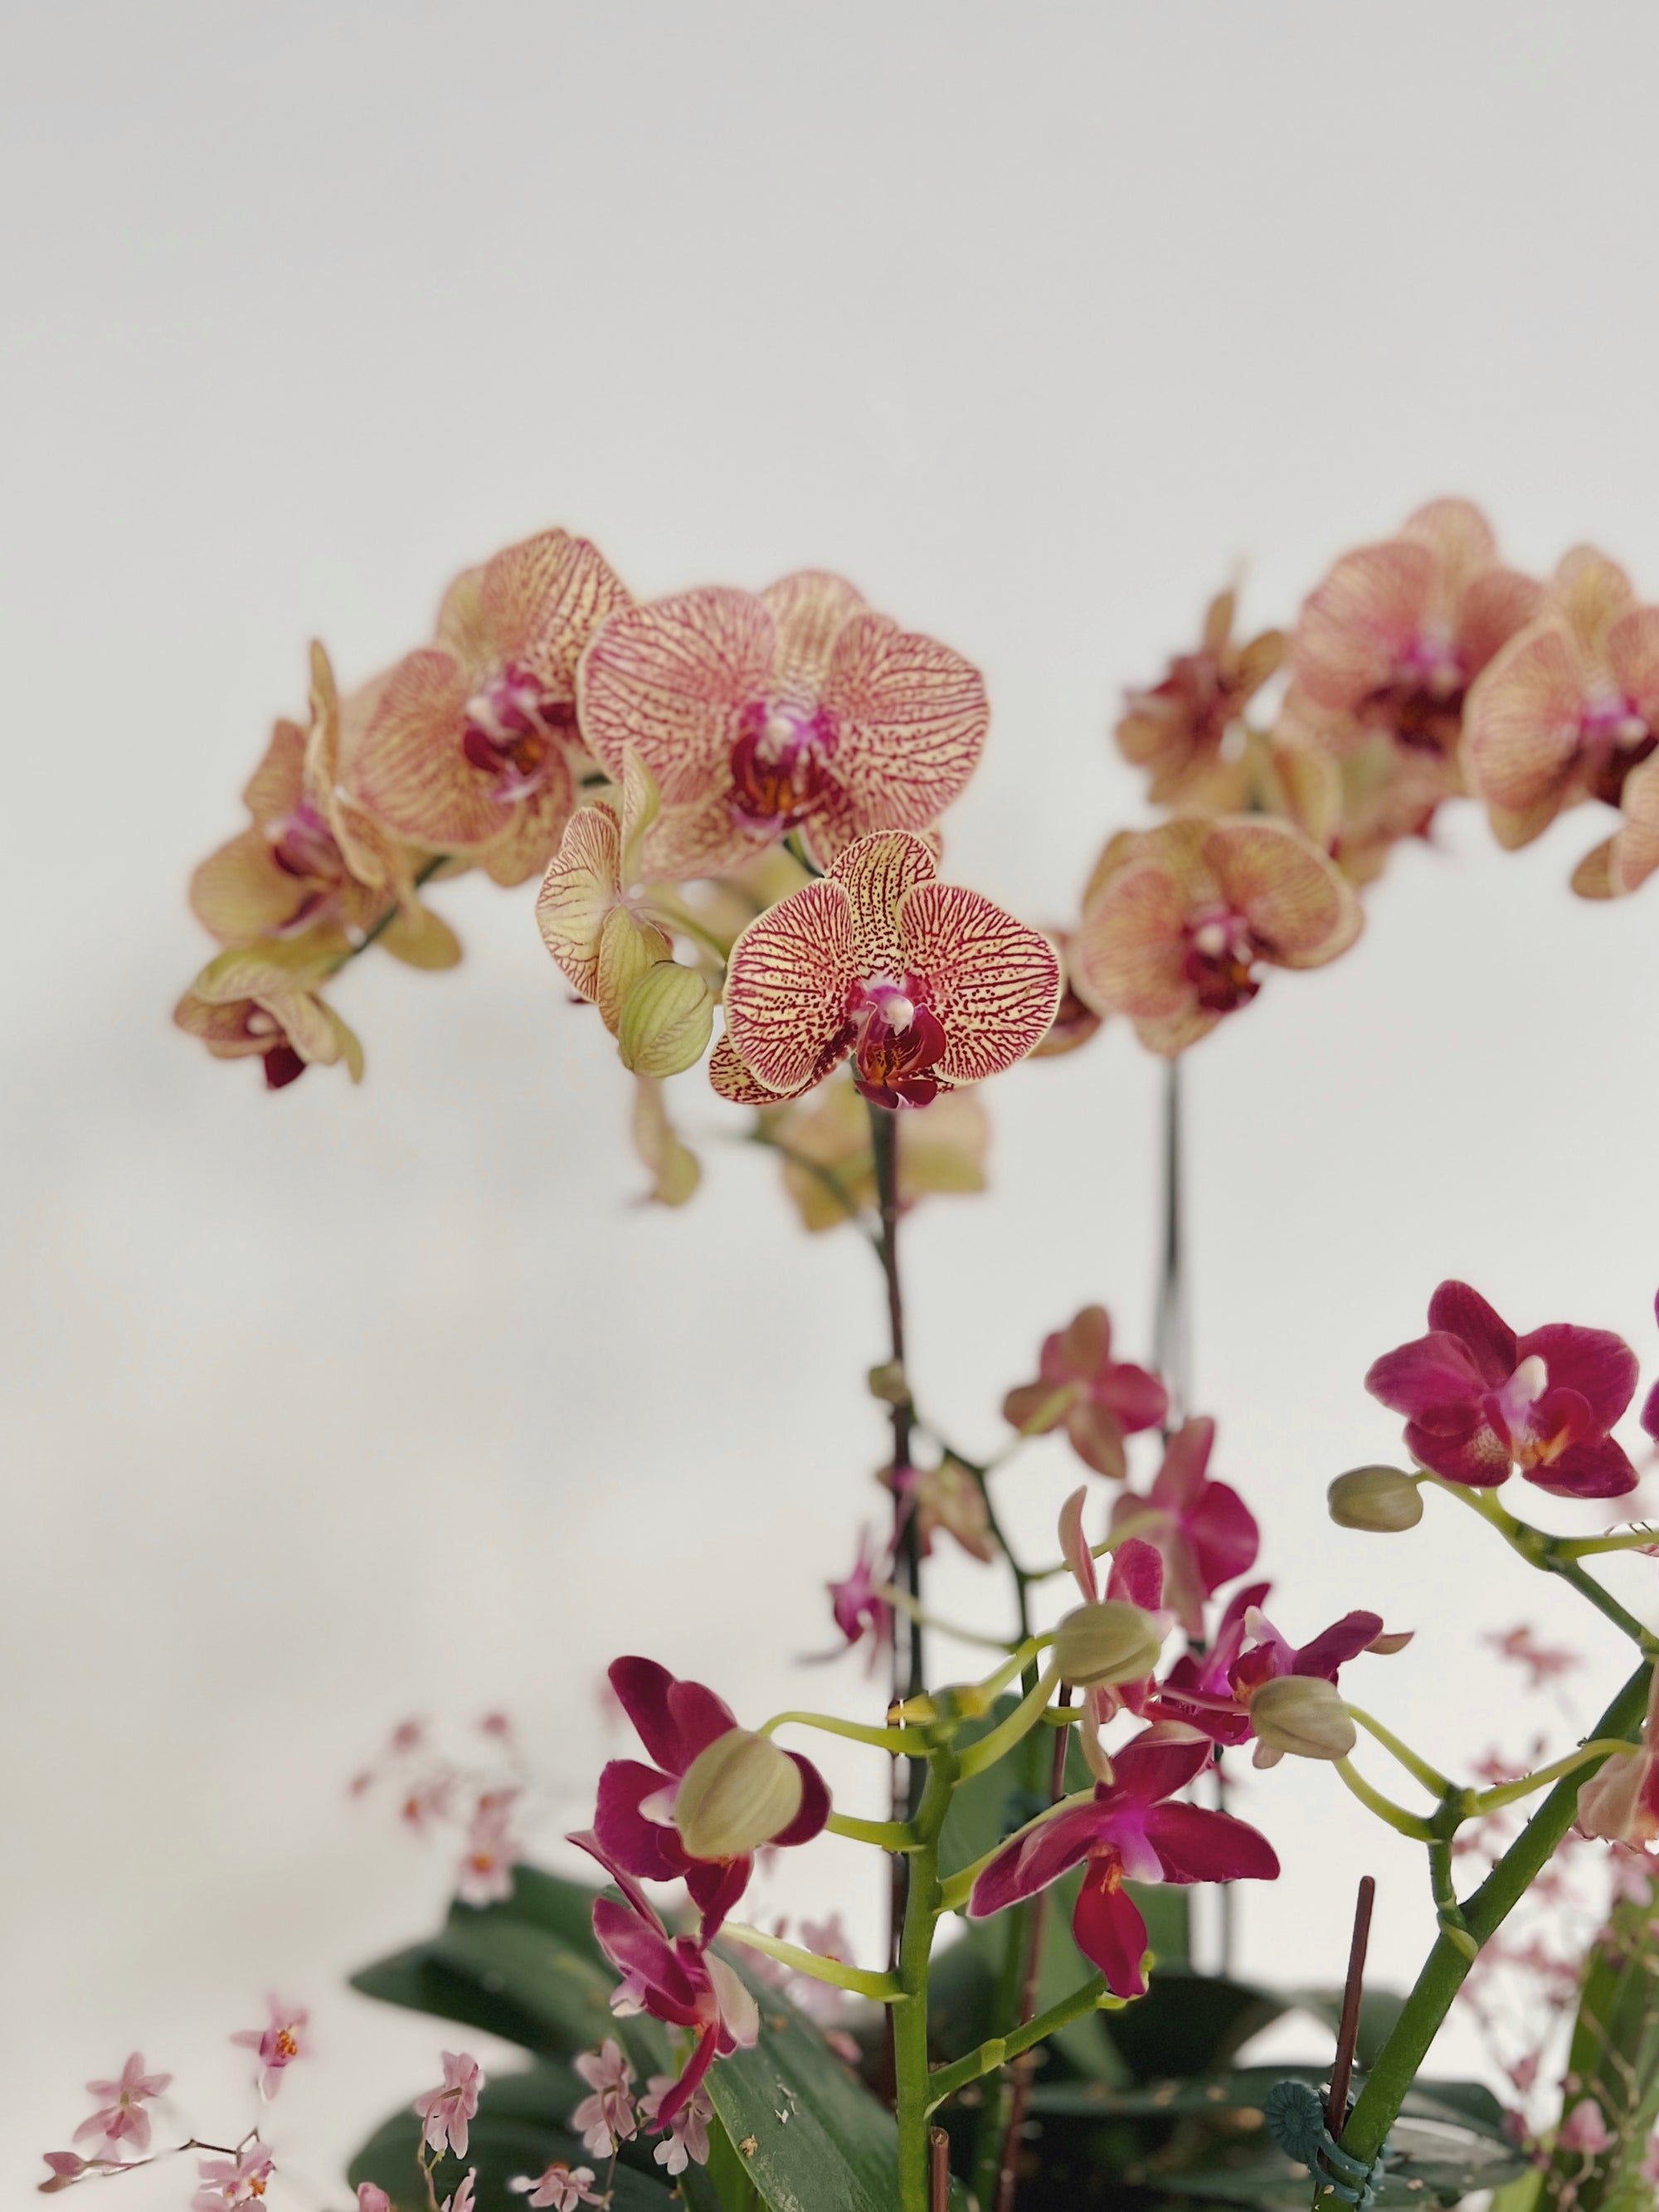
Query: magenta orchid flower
point(606, 2117)
point(1096, 1399)
point(801, 707)
point(447, 2111)
point(279, 2043)
point(1212, 1690)
point(1480, 1401)
point(1135, 1578)
point(634, 1820)
point(121, 2117)
point(226, 2182)
point(1205, 1533)
point(927, 985)
point(859, 1612)
point(1127, 1831)
point(674, 1978)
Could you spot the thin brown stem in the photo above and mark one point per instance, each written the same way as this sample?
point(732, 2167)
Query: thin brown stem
point(939, 2170)
point(1347, 2034)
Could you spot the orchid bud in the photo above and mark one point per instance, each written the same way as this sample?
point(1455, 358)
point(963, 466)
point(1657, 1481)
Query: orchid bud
point(1381, 1499)
point(666, 1021)
point(1302, 1714)
point(888, 1383)
point(738, 1793)
point(1112, 1642)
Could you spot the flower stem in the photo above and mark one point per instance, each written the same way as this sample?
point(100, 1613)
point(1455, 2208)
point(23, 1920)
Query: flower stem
point(882, 1988)
point(370, 936)
point(913, 2093)
point(1397, 1817)
point(989, 1748)
point(1432, 1780)
point(1508, 1793)
point(1000, 2049)
point(1396, 2065)
point(906, 1742)
point(885, 1835)
point(1550, 1555)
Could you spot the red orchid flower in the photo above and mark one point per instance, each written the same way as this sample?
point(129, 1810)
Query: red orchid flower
point(800, 707)
point(633, 1819)
point(1205, 1533)
point(1127, 1831)
point(924, 984)
point(1480, 1401)
point(1135, 1578)
point(1096, 1399)
point(1212, 1690)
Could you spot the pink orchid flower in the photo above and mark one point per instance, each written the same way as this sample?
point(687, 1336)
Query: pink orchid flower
point(685, 2142)
point(858, 1611)
point(1621, 1800)
point(1585, 2130)
point(1480, 1401)
point(633, 1821)
point(800, 707)
point(231, 2181)
point(1096, 1399)
point(1127, 1831)
point(1212, 1691)
point(447, 2111)
point(561, 2186)
point(675, 1979)
point(1397, 632)
point(492, 1850)
point(121, 2118)
point(924, 984)
point(1205, 1533)
point(1650, 1403)
point(279, 2043)
point(462, 2200)
point(371, 2197)
point(607, 2118)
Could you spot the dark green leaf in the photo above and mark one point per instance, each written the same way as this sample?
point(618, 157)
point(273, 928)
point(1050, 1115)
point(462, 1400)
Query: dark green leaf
point(1190, 2023)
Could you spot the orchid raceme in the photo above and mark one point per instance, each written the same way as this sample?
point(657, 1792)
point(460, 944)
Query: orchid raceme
point(1097, 1400)
point(1177, 920)
point(1205, 1531)
point(925, 985)
point(1480, 1401)
point(1130, 1829)
point(469, 745)
point(800, 707)
point(1176, 728)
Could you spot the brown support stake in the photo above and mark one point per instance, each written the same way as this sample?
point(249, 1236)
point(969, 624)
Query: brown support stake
point(1347, 2038)
point(939, 2170)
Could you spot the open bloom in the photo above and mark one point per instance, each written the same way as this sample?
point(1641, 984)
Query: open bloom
point(466, 745)
point(1128, 1830)
point(1570, 705)
point(924, 984)
point(226, 2182)
point(1176, 729)
point(121, 2117)
point(278, 2044)
point(492, 1850)
point(1480, 1401)
point(686, 2141)
point(606, 2117)
point(858, 1611)
point(262, 1002)
point(800, 707)
point(679, 1724)
point(447, 2110)
point(1177, 921)
point(1206, 1533)
point(1397, 632)
point(1212, 1690)
point(561, 2186)
point(1621, 1800)
point(1096, 1399)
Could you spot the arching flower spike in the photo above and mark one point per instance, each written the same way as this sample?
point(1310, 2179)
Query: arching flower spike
point(467, 747)
point(800, 707)
point(1177, 920)
point(924, 984)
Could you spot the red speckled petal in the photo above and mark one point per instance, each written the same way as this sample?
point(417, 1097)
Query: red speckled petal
point(992, 982)
point(1301, 911)
point(671, 679)
point(540, 602)
point(1356, 627)
point(810, 610)
point(532, 825)
point(786, 988)
point(1130, 949)
point(578, 891)
point(407, 767)
point(1523, 725)
point(731, 1080)
point(875, 874)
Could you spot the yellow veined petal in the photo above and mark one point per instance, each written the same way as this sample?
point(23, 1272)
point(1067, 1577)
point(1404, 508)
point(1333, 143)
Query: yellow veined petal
point(580, 889)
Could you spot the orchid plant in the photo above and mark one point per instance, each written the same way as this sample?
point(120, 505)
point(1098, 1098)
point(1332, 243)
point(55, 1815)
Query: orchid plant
point(731, 801)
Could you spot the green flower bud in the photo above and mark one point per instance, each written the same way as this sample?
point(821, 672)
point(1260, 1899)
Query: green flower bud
point(1108, 1642)
point(666, 1020)
point(1378, 1498)
point(738, 1793)
point(1302, 1714)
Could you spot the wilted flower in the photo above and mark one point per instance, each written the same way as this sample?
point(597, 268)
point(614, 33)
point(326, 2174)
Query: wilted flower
point(231, 2181)
point(262, 1002)
point(686, 2141)
point(635, 1819)
point(492, 1850)
point(800, 707)
point(1177, 920)
point(447, 2110)
point(1621, 1800)
point(948, 1497)
point(466, 745)
point(829, 1157)
point(1128, 1830)
point(1397, 632)
point(607, 2118)
point(1570, 706)
point(926, 985)
point(1480, 1401)
point(1096, 1399)
point(279, 2043)
point(1176, 728)
point(1205, 1533)
point(121, 2117)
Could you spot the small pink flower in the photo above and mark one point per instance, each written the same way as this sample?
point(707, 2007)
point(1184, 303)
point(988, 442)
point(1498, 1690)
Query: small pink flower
point(1621, 1800)
point(561, 2186)
point(1543, 1663)
point(859, 1612)
point(1584, 2129)
point(231, 2181)
point(371, 2197)
point(1480, 1401)
point(607, 2118)
point(1205, 1533)
point(279, 2043)
point(686, 2140)
point(121, 2117)
point(447, 2110)
point(1098, 1400)
point(462, 2200)
point(492, 1850)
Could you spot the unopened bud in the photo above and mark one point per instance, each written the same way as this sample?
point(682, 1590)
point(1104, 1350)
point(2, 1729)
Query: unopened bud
point(1378, 1498)
point(887, 1382)
point(738, 1793)
point(1302, 1714)
point(1111, 1641)
point(666, 1021)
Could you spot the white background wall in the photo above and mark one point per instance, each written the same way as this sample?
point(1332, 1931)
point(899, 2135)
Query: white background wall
point(325, 1406)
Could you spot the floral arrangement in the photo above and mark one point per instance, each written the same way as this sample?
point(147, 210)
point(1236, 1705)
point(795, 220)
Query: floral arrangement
point(731, 801)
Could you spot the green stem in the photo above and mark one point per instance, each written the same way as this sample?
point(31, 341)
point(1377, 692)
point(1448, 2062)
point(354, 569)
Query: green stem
point(990, 1747)
point(371, 936)
point(1432, 1780)
point(1447, 1909)
point(883, 1988)
point(885, 1835)
point(1550, 1555)
point(1509, 1793)
point(1395, 2066)
point(909, 1742)
point(902, 1602)
point(1397, 1817)
point(1585, 1547)
point(947, 2080)
point(922, 1907)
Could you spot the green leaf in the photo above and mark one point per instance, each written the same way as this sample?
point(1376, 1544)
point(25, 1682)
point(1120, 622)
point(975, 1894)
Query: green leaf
point(1614, 2060)
point(1190, 2023)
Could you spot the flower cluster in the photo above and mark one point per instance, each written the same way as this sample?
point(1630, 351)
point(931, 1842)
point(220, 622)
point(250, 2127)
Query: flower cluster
point(478, 1801)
